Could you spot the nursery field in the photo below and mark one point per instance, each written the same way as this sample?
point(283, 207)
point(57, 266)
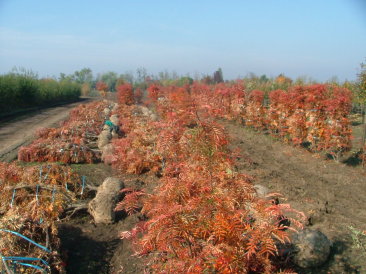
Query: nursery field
point(330, 194)
point(193, 179)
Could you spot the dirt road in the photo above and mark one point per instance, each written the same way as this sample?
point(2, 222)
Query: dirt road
point(20, 131)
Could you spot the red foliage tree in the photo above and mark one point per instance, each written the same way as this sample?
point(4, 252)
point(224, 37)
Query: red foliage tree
point(125, 94)
point(101, 86)
point(203, 216)
point(255, 111)
point(153, 92)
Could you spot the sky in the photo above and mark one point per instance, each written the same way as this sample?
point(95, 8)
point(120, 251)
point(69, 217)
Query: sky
point(318, 39)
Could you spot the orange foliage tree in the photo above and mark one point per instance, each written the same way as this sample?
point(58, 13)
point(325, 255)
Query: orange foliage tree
point(314, 114)
point(255, 111)
point(203, 216)
point(102, 88)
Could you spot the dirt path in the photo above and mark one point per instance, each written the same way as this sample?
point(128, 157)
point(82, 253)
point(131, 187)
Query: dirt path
point(20, 131)
point(331, 194)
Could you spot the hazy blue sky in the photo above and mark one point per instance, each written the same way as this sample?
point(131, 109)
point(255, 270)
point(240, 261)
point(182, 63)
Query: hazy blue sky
point(317, 38)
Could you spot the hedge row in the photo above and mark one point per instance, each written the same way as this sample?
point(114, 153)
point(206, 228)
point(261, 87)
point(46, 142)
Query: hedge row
point(22, 91)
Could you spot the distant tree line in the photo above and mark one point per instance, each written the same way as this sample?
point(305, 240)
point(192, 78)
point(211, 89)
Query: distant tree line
point(140, 78)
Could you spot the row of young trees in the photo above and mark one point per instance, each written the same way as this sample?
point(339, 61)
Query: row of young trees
point(312, 115)
point(203, 216)
point(315, 116)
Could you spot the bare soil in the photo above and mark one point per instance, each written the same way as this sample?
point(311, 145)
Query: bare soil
point(91, 248)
